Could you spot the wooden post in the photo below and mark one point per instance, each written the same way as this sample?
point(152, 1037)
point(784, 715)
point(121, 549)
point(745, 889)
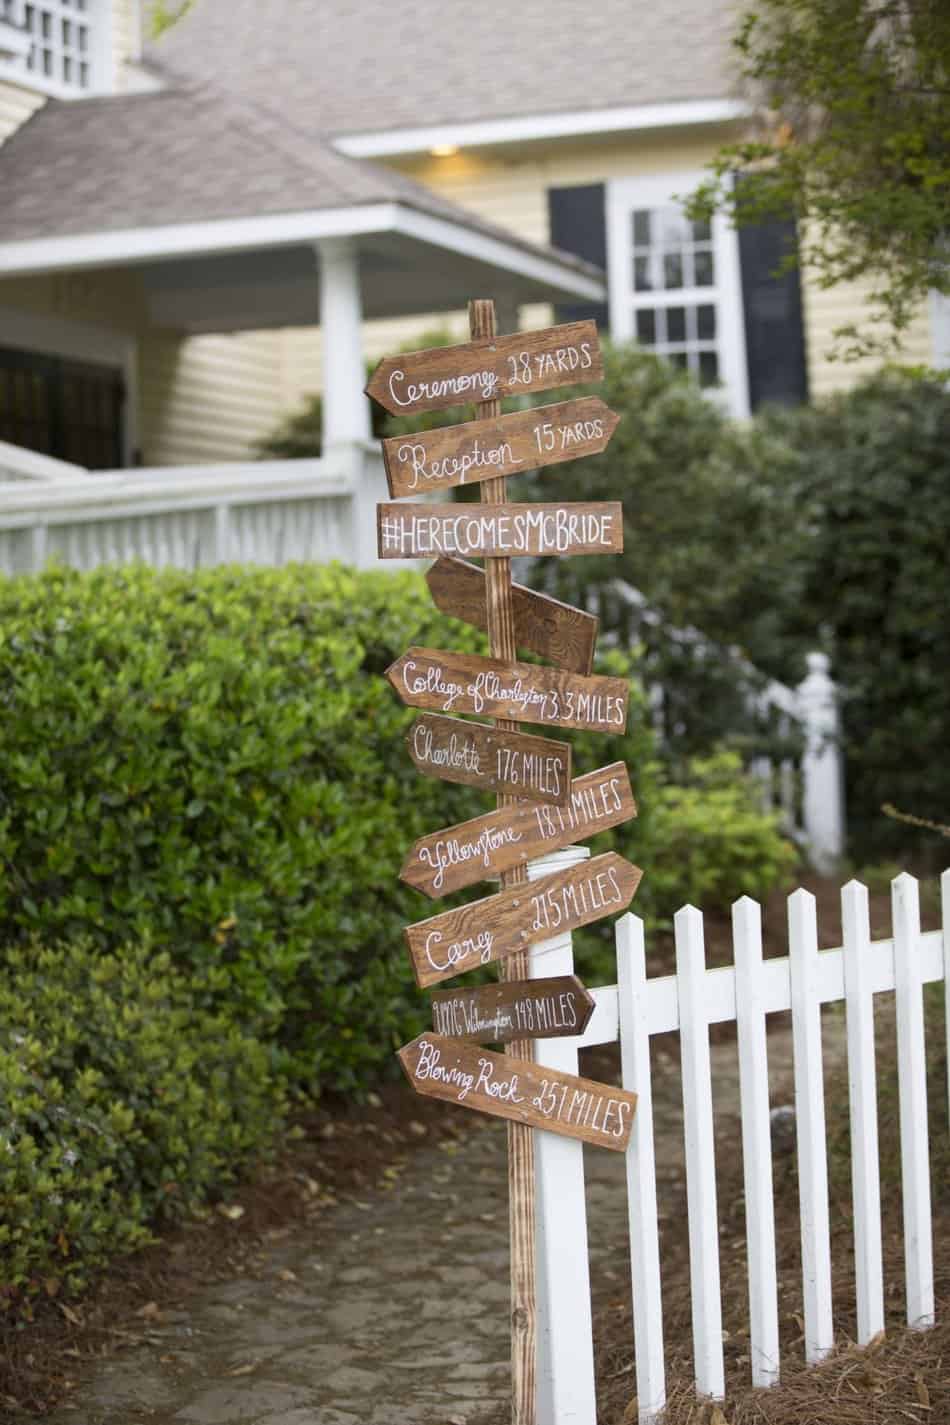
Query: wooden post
point(501, 640)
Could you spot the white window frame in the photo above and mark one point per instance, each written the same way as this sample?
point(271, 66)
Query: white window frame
point(624, 195)
point(98, 15)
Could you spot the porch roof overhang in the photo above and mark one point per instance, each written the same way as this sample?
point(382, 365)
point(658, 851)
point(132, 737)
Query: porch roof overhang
point(221, 204)
point(249, 272)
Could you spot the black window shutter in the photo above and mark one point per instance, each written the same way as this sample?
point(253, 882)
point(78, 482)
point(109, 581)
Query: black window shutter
point(774, 330)
point(577, 223)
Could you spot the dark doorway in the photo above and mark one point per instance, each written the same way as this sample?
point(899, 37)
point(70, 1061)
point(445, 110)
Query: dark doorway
point(71, 410)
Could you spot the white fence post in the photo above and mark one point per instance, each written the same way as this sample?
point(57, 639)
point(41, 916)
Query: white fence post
point(912, 1093)
point(756, 1142)
point(700, 1154)
point(862, 1093)
point(641, 1169)
point(565, 1350)
point(822, 772)
point(810, 1124)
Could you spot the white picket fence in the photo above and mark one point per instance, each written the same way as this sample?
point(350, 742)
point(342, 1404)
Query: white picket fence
point(692, 999)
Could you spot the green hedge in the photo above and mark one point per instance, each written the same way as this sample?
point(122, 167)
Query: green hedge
point(213, 762)
point(121, 1104)
point(869, 479)
point(205, 799)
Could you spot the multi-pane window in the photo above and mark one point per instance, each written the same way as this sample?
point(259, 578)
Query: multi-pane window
point(674, 268)
point(674, 283)
point(59, 35)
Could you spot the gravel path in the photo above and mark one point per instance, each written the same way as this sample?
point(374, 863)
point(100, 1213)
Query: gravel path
point(393, 1311)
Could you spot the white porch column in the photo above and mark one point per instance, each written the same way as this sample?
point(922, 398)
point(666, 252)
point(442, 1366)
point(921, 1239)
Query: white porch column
point(345, 408)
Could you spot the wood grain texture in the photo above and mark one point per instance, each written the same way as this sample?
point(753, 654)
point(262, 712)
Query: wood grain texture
point(501, 925)
point(467, 683)
point(557, 631)
point(509, 531)
point(488, 845)
point(521, 1188)
point(486, 369)
point(494, 1014)
point(479, 755)
point(506, 445)
point(510, 1088)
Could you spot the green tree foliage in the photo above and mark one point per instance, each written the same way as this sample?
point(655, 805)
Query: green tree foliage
point(162, 14)
point(870, 477)
point(698, 522)
point(853, 136)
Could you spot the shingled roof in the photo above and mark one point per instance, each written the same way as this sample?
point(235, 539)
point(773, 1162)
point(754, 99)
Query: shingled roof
point(186, 155)
point(346, 66)
point(254, 95)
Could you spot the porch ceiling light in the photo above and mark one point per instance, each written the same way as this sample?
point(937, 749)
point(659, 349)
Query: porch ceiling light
point(444, 150)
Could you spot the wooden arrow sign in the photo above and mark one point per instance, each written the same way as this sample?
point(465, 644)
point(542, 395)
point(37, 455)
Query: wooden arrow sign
point(480, 450)
point(557, 631)
point(472, 850)
point(516, 1009)
point(517, 1089)
point(500, 925)
point(468, 683)
point(498, 531)
point(485, 370)
point(479, 755)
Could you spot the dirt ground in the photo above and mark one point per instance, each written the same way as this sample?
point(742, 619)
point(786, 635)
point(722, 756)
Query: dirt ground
point(363, 1277)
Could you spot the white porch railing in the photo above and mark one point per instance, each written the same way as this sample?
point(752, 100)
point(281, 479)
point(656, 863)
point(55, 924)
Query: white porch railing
point(189, 517)
point(688, 1002)
point(807, 792)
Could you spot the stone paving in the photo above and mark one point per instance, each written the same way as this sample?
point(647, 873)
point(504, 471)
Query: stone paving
point(393, 1311)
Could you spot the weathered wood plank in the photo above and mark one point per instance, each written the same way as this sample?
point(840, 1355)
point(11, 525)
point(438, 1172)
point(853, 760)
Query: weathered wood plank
point(479, 755)
point(481, 450)
point(495, 1014)
point(506, 531)
point(521, 1193)
point(487, 845)
point(466, 683)
point(516, 1089)
point(543, 625)
point(504, 924)
point(487, 369)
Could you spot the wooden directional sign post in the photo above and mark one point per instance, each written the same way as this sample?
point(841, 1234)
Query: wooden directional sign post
point(502, 925)
point(467, 683)
point(487, 368)
point(540, 807)
point(543, 625)
point(496, 1014)
point(491, 844)
point(476, 755)
point(480, 450)
point(423, 531)
point(538, 1098)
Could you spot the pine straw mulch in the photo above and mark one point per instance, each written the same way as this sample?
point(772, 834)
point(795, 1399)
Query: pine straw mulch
point(901, 1375)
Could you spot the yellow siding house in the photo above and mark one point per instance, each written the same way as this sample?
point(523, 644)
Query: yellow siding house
point(186, 222)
